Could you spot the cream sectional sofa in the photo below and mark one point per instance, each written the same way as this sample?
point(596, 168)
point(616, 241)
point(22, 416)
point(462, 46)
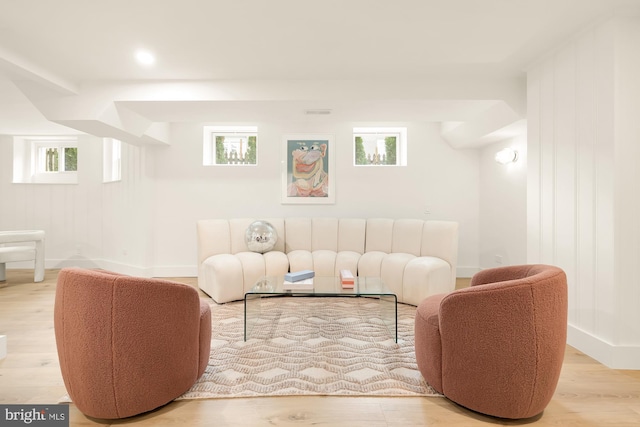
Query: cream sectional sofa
point(415, 258)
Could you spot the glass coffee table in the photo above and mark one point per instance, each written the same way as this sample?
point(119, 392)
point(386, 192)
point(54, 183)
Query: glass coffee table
point(368, 287)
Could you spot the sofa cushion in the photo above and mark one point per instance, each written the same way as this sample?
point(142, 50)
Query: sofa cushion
point(369, 263)
point(351, 235)
point(207, 244)
point(324, 234)
point(300, 260)
point(424, 276)
point(392, 271)
point(298, 234)
point(379, 236)
point(253, 268)
point(221, 272)
point(324, 262)
point(407, 236)
point(347, 260)
point(276, 263)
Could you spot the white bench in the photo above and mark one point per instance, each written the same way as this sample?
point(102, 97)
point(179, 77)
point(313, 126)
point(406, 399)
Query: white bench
point(35, 252)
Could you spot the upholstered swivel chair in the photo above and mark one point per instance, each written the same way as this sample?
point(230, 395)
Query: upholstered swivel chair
point(496, 347)
point(128, 345)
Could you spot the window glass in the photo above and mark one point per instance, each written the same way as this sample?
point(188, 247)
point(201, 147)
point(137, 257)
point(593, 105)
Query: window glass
point(228, 145)
point(45, 159)
point(379, 146)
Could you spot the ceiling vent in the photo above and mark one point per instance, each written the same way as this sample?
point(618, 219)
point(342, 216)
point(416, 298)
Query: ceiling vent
point(317, 112)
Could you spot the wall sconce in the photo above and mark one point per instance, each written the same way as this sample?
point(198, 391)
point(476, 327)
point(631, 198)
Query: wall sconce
point(506, 155)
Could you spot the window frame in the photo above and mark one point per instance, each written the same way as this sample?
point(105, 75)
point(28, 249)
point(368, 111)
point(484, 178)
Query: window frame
point(29, 160)
point(40, 156)
point(380, 133)
point(210, 143)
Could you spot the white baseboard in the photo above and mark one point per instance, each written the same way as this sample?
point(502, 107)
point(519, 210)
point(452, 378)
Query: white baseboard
point(466, 272)
point(175, 271)
point(3, 346)
point(72, 262)
point(612, 356)
point(118, 267)
point(128, 269)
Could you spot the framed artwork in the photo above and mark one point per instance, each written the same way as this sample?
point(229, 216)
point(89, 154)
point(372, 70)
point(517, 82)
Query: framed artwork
point(308, 171)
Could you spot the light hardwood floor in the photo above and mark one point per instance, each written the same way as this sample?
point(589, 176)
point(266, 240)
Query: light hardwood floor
point(588, 394)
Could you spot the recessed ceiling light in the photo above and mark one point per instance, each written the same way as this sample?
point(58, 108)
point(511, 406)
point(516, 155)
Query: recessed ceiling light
point(145, 57)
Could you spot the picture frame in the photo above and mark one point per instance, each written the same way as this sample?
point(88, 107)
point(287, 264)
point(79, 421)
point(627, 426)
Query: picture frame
point(308, 169)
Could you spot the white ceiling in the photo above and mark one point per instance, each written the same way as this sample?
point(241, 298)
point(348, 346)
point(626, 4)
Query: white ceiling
point(441, 46)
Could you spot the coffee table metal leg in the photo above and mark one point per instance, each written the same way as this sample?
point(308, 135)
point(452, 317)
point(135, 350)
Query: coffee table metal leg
point(252, 309)
point(389, 313)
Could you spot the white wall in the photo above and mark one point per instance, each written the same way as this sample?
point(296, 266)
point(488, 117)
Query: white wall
point(437, 177)
point(70, 214)
point(145, 224)
point(503, 206)
point(127, 214)
point(583, 197)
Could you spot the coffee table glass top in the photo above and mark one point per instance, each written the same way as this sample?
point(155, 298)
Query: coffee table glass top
point(373, 287)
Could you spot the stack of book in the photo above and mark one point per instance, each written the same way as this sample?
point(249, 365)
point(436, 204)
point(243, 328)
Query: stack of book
point(298, 280)
point(347, 279)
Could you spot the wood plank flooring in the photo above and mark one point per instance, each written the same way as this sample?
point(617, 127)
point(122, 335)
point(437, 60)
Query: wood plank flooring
point(588, 394)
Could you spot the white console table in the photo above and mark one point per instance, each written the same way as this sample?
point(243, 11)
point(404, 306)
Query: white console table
point(14, 253)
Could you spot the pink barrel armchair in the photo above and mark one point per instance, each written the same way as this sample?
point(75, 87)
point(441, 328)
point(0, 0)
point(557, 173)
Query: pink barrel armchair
point(496, 347)
point(128, 345)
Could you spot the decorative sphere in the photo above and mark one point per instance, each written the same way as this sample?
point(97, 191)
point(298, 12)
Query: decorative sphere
point(261, 236)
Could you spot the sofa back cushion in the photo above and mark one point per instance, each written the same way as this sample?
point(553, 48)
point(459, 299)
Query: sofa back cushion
point(238, 228)
point(214, 237)
point(297, 234)
point(440, 240)
point(332, 234)
point(379, 235)
point(411, 236)
point(407, 236)
point(351, 235)
point(324, 234)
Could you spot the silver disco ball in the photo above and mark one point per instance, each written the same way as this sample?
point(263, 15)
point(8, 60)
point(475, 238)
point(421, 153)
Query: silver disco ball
point(261, 236)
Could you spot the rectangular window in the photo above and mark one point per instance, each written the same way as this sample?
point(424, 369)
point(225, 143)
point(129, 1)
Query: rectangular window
point(56, 162)
point(45, 159)
point(57, 159)
point(379, 146)
point(230, 145)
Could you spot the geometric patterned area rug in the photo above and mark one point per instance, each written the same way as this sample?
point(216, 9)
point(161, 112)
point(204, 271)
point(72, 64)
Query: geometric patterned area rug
point(311, 346)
